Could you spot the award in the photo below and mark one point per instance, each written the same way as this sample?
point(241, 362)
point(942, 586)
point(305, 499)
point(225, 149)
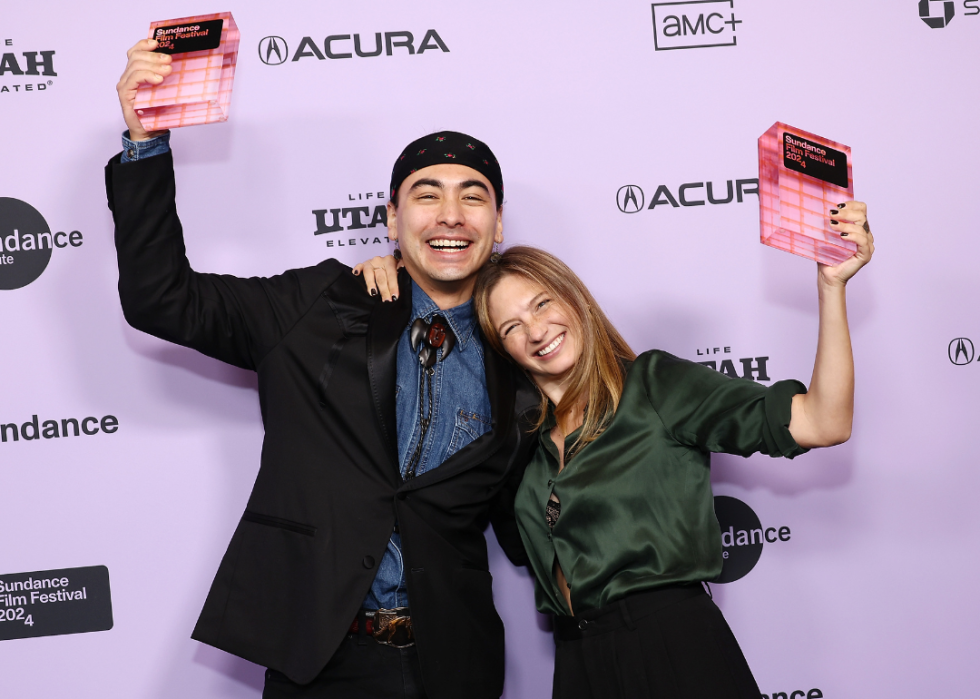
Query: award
point(801, 178)
point(198, 91)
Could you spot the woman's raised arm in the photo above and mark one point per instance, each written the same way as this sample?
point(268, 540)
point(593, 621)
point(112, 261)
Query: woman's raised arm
point(822, 417)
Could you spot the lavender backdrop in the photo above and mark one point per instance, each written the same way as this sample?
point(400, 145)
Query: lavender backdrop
point(873, 594)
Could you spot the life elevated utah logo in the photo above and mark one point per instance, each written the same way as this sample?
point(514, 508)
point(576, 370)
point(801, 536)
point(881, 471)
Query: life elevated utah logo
point(274, 50)
point(26, 243)
point(364, 212)
point(696, 24)
point(25, 71)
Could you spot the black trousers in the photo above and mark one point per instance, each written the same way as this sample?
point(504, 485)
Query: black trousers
point(361, 668)
point(670, 643)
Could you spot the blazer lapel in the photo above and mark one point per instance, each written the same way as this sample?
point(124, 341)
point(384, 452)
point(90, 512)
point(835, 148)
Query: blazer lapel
point(388, 320)
point(501, 391)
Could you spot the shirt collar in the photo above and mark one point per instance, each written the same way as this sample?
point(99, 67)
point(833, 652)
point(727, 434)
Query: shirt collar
point(462, 318)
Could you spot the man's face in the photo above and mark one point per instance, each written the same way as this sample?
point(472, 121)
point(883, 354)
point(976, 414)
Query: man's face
point(446, 224)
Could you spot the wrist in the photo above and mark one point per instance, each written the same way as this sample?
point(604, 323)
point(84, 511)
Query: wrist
point(831, 289)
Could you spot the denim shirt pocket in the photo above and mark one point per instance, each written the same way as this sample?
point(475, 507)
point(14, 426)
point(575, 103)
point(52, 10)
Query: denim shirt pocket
point(469, 426)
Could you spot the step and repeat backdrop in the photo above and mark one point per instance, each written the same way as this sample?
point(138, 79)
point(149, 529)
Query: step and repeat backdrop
point(627, 132)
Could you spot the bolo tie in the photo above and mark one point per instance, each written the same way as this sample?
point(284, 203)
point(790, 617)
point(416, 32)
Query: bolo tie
point(427, 339)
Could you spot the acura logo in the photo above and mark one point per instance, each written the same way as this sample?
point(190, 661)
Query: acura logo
point(630, 199)
point(925, 12)
point(961, 351)
point(273, 50)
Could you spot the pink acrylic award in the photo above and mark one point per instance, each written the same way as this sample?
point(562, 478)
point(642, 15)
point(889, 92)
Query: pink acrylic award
point(198, 91)
point(801, 177)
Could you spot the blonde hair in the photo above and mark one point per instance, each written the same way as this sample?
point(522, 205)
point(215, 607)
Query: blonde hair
point(596, 379)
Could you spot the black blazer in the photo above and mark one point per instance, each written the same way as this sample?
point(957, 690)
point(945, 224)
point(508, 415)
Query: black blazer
point(328, 491)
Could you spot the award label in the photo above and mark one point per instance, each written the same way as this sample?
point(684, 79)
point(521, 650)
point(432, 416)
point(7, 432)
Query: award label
point(184, 38)
point(802, 177)
point(55, 602)
point(198, 90)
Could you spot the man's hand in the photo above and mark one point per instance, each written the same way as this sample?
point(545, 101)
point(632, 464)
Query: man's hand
point(381, 276)
point(144, 66)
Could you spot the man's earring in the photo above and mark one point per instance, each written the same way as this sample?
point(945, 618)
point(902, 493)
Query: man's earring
point(495, 255)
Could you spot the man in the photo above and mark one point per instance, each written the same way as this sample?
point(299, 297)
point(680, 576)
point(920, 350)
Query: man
point(359, 568)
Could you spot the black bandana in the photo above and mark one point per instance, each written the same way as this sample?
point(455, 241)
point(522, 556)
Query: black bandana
point(448, 147)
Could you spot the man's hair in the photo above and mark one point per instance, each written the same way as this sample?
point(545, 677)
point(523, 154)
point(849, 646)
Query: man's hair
point(597, 377)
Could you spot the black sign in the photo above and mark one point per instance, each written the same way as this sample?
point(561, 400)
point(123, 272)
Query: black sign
point(55, 602)
point(809, 158)
point(184, 38)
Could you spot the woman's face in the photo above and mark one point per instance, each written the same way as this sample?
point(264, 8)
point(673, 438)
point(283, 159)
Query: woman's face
point(536, 329)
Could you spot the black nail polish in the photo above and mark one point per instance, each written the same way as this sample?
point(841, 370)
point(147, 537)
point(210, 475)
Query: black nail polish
point(843, 235)
point(394, 298)
point(833, 223)
point(354, 272)
point(834, 212)
point(840, 206)
point(374, 292)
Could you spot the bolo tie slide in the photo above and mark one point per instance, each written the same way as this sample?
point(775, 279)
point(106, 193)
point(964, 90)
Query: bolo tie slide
point(427, 339)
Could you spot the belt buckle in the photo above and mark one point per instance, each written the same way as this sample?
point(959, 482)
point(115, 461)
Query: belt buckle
point(393, 628)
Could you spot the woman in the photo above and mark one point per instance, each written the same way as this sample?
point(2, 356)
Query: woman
point(615, 508)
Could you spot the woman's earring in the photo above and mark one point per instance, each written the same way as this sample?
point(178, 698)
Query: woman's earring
point(396, 253)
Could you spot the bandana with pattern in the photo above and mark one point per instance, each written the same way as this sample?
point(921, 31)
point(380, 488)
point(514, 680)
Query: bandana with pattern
point(448, 147)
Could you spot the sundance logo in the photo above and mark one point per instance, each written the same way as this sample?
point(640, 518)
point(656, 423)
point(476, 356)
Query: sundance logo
point(274, 50)
point(742, 538)
point(34, 429)
point(26, 242)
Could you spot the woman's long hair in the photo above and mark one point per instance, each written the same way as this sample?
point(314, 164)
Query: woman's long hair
point(596, 379)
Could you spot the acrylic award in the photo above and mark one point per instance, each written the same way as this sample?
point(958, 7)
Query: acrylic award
point(801, 177)
point(198, 91)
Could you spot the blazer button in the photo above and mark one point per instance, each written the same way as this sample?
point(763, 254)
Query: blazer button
point(583, 625)
point(368, 561)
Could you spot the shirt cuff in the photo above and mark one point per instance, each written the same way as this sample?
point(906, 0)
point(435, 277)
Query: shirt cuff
point(779, 410)
point(138, 150)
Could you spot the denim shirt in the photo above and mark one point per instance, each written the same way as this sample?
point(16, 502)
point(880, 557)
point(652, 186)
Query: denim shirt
point(138, 150)
point(460, 402)
point(460, 414)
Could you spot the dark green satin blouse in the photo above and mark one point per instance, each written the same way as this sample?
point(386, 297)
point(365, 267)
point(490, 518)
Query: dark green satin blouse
point(636, 505)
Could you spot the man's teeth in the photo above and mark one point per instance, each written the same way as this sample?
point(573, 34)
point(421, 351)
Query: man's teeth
point(444, 244)
point(552, 346)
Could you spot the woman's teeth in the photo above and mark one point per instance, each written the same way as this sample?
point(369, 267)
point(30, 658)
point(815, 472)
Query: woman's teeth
point(551, 348)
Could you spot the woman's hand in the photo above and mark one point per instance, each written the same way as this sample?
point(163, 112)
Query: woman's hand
point(381, 276)
point(851, 220)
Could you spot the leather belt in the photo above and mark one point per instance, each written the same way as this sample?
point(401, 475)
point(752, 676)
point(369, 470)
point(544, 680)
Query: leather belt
point(389, 627)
